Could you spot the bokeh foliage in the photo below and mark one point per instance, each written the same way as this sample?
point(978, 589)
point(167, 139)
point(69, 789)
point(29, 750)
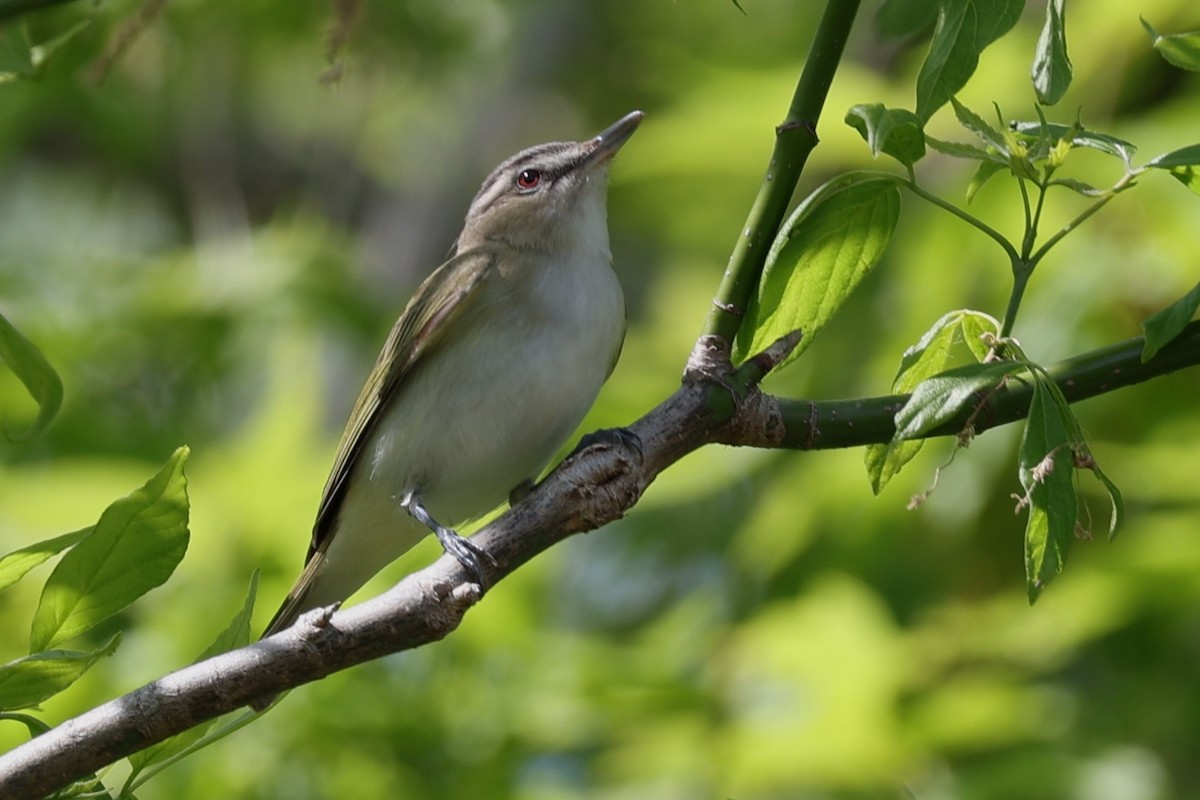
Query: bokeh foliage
point(210, 241)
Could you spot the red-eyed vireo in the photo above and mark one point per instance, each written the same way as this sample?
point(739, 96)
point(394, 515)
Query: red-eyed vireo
point(492, 365)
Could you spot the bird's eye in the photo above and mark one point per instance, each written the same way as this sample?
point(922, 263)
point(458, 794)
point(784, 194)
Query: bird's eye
point(529, 178)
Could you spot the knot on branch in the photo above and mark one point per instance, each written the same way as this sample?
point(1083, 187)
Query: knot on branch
point(759, 419)
point(604, 475)
point(709, 360)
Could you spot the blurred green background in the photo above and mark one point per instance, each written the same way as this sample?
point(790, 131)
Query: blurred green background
point(211, 244)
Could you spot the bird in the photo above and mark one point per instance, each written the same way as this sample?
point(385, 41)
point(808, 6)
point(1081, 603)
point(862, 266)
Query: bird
point(490, 367)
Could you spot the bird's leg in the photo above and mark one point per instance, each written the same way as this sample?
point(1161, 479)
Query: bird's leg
point(464, 551)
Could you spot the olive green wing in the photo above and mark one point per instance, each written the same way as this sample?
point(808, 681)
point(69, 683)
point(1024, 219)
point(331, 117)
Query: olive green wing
point(433, 309)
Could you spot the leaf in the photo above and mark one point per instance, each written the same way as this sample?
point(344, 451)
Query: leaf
point(1085, 189)
point(19, 57)
point(827, 246)
point(1180, 49)
point(977, 327)
point(1163, 326)
point(926, 358)
point(964, 29)
point(895, 131)
point(982, 175)
point(1046, 470)
point(40, 54)
point(900, 19)
point(1183, 157)
point(36, 726)
point(1117, 520)
point(960, 150)
point(1183, 164)
point(16, 61)
point(237, 632)
point(1051, 65)
point(938, 399)
point(235, 635)
point(1079, 137)
point(35, 372)
point(980, 127)
point(18, 563)
point(28, 681)
point(1082, 457)
point(136, 545)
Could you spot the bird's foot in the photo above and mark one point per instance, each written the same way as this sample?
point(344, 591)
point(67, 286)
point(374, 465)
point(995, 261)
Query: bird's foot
point(620, 437)
point(470, 555)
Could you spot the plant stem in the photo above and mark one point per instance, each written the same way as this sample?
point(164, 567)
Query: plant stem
point(1029, 223)
point(974, 222)
point(1021, 271)
point(795, 138)
point(1120, 186)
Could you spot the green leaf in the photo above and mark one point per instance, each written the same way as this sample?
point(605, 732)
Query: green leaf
point(1085, 189)
point(236, 634)
point(19, 57)
point(1183, 164)
point(938, 399)
point(1046, 469)
point(1117, 520)
point(895, 131)
point(977, 328)
point(41, 53)
point(1078, 137)
point(982, 175)
point(827, 246)
point(1180, 49)
point(960, 150)
point(18, 563)
point(1183, 157)
point(32, 679)
point(964, 29)
point(980, 127)
point(36, 726)
point(35, 372)
point(136, 545)
point(12, 9)
point(1163, 326)
point(900, 19)
point(16, 60)
point(1051, 65)
point(1082, 457)
point(926, 358)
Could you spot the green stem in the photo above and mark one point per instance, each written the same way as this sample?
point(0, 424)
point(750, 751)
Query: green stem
point(1027, 242)
point(974, 222)
point(1021, 271)
point(1031, 230)
point(795, 138)
point(1070, 226)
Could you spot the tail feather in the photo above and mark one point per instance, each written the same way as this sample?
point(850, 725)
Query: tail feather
point(298, 600)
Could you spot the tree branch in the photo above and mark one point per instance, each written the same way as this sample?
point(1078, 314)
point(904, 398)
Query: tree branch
point(795, 138)
point(598, 484)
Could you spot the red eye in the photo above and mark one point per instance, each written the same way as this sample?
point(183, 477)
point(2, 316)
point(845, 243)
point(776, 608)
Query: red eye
point(529, 178)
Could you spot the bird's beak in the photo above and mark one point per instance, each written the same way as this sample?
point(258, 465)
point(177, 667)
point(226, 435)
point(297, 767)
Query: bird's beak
point(606, 144)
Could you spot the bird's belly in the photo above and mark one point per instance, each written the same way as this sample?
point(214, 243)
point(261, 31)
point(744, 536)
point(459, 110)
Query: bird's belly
point(480, 417)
